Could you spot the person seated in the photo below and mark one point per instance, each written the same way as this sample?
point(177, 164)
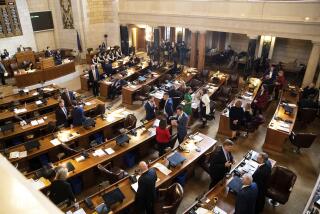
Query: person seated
point(236, 115)
point(58, 58)
point(60, 189)
point(308, 91)
point(48, 52)
point(77, 116)
point(162, 136)
point(118, 53)
point(261, 100)
point(308, 102)
point(247, 196)
point(5, 54)
point(28, 66)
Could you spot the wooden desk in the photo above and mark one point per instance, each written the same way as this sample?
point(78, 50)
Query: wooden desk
point(125, 184)
point(143, 136)
point(276, 135)
point(24, 78)
point(19, 130)
point(132, 72)
point(254, 85)
point(226, 200)
point(130, 90)
point(7, 100)
point(81, 134)
point(30, 108)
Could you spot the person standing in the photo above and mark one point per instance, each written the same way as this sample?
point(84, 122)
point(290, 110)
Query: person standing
point(2, 73)
point(182, 124)
point(68, 97)
point(204, 107)
point(94, 78)
point(280, 83)
point(168, 105)
point(150, 107)
point(247, 196)
point(221, 162)
point(77, 116)
point(162, 136)
point(261, 100)
point(236, 115)
point(61, 114)
point(187, 108)
point(261, 177)
point(146, 193)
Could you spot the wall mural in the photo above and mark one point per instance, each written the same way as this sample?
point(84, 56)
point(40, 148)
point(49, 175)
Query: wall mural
point(66, 12)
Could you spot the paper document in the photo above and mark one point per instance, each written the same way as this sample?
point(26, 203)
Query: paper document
point(80, 158)
point(162, 168)
point(201, 210)
point(40, 121)
point(88, 103)
point(19, 111)
point(80, 211)
point(218, 210)
point(156, 123)
point(110, 118)
point(109, 151)
point(55, 142)
point(39, 102)
point(197, 138)
point(14, 155)
point(34, 122)
point(99, 153)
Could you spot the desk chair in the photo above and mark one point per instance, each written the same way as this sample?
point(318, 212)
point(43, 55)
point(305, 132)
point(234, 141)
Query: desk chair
point(112, 174)
point(302, 140)
point(234, 81)
point(143, 93)
point(169, 199)
point(204, 161)
point(195, 84)
point(307, 116)
point(130, 122)
point(224, 94)
point(204, 75)
point(280, 185)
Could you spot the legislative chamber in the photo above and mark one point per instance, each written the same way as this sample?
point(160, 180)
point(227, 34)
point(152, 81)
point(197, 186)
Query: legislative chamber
point(160, 107)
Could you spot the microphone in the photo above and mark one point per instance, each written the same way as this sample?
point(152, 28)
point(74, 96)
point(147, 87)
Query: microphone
point(22, 121)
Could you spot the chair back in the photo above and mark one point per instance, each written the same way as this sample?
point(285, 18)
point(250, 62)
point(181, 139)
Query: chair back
point(100, 109)
point(307, 115)
point(130, 122)
point(108, 174)
point(225, 90)
point(173, 199)
point(280, 184)
point(303, 140)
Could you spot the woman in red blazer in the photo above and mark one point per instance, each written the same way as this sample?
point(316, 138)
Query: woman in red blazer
point(261, 100)
point(162, 136)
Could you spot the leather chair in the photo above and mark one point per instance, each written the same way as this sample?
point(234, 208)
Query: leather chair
point(143, 93)
point(112, 174)
point(302, 140)
point(280, 185)
point(224, 94)
point(130, 122)
point(100, 109)
point(195, 84)
point(204, 75)
point(204, 161)
point(169, 199)
point(307, 115)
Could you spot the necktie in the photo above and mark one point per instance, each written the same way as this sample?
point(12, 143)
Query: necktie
point(64, 111)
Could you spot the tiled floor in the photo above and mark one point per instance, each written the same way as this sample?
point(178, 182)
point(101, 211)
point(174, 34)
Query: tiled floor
point(306, 165)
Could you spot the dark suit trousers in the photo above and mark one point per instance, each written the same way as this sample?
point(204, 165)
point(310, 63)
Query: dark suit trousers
point(3, 80)
point(95, 88)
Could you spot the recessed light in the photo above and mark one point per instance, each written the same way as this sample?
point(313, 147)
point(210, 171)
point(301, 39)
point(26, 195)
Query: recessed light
point(307, 18)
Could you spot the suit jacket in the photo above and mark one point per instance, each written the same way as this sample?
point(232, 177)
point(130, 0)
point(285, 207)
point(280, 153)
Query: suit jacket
point(68, 102)
point(182, 125)
point(150, 111)
point(217, 167)
point(168, 107)
point(246, 199)
point(60, 191)
point(61, 117)
point(261, 177)
point(77, 116)
point(146, 192)
point(91, 77)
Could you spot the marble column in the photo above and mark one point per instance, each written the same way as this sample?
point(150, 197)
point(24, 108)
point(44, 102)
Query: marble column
point(193, 49)
point(312, 65)
point(201, 50)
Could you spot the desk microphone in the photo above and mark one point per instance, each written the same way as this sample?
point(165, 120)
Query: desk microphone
point(22, 121)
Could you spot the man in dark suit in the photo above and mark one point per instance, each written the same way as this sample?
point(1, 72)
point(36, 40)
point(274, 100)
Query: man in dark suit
point(2, 73)
point(77, 116)
point(150, 107)
point(182, 124)
point(68, 97)
point(221, 162)
point(245, 202)
point(261, 177)
point(94, 78)
point(48, 52)
point(146, 193)
point(61, 114)
point(168, 105)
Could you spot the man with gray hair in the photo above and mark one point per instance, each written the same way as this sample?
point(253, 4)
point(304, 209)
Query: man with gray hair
point(247, 196)
point(261, 177)
point(146, 193)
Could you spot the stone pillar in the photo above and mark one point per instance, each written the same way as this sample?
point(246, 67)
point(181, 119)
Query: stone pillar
point(201, 50)
point(193, 51)
point(251, 53)
point(312, 65)
point(273, 41)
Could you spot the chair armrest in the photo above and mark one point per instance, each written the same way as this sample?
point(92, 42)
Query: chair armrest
point(167, 207)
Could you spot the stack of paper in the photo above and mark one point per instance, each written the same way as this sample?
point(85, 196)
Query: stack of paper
point(80, 158)
point(17, 155)
point(48, 89)
point(34, 122)
point(55, 142)
point(201, 210)
point(98, 153)
point(35, 93)
point(162, 168)
point(79, 211)
point(40, 121)
point(88, 103)
point(218, 210)
point(197, 138)
point(39, 102)
point(109, 151)
point(19, 111)
point(110, 118)
point(156, 123)
point(42, 182)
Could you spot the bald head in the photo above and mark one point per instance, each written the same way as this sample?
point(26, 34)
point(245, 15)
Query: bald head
point(143, 166)
point(246, 179)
